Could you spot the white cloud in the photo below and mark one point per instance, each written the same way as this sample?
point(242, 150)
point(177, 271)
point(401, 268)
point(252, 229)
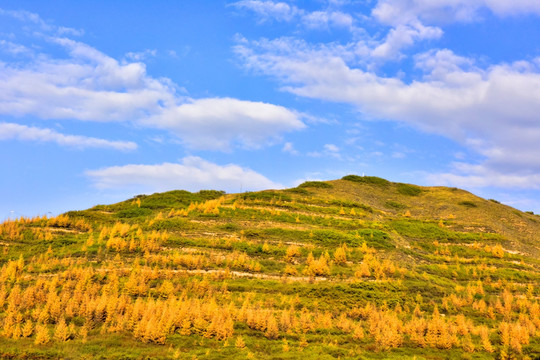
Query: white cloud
point(267, 10)
point(398, 12)
point(62, 30)
point(26, 133)
point(331, 148)
point(141, 55)
point(86, 84)
point(326, 19)
point(513, 7)
point(499, 104)
point(13, 48)
point(288, 147)
point(216, 123)
point(403, 36)
point(479, 176)
point(314, 20)
point(409, 18)
point(193, 174)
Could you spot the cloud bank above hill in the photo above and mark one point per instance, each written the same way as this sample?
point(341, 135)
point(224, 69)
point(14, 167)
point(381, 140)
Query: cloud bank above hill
point(490, 109)
point(191, 173)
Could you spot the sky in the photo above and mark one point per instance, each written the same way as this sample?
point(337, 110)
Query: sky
point(104, 100)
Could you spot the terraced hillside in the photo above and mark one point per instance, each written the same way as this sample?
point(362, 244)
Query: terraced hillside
point(352, 268)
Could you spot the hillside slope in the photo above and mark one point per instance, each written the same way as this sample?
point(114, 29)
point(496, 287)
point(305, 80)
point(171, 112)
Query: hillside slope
point(352, 268)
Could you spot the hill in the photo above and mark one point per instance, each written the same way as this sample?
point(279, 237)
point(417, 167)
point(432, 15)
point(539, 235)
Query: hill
point(353, 268)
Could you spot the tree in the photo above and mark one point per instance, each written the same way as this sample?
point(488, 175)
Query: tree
point(42, 335)
point(61, 331)
point(340, 256)
point(28, 328)
point(239, 343)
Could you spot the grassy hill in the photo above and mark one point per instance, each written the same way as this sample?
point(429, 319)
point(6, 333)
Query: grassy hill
point(353, 268)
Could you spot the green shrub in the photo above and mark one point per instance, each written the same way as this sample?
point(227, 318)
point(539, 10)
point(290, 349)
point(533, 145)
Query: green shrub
point(298, 190)
point(316, 184)
point(468, 204)
point(395, 205)
point(495, 201)
point(410, 190)
point(367, 180)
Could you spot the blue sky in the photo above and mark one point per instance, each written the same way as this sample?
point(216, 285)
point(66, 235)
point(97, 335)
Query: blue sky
point(103, 100)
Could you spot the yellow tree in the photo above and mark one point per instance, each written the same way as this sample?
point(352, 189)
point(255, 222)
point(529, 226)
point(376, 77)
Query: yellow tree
point(28, 328)
point(272, 331)
point(340, 255)
point(42, 335)
point(61, 331)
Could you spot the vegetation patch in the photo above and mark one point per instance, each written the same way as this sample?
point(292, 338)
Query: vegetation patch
point(133, 212)
point(266, 196)
point(410, 190)
point(316, 184)
point(469, 204)
point(298, 190)
point(395, 205)
point(374, 180)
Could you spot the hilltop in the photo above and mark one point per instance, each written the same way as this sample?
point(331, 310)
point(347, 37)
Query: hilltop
point(359, 267)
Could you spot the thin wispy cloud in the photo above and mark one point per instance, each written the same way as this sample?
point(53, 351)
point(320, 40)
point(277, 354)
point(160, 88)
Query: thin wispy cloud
point(11, 131)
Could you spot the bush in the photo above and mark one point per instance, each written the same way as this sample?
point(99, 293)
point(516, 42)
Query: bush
point(298, 190)
point(316, 184)
point(367, 180)
point(395, 205)
point(410, 190)
point(468, 204)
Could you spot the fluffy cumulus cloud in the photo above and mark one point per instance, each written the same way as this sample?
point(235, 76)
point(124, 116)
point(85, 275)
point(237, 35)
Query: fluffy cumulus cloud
point(87, 85)
point(10, 131)
point(216, 123)
point(192, 173)
point(490, 109)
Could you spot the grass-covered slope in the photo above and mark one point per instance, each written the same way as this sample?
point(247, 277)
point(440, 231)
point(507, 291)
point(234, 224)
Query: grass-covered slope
point(353, 268)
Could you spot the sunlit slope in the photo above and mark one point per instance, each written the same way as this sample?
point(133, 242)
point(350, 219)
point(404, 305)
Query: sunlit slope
point(458, 209)
point(352, 268)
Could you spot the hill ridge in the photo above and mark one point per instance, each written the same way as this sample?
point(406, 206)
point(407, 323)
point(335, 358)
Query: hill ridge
point(358, 267)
